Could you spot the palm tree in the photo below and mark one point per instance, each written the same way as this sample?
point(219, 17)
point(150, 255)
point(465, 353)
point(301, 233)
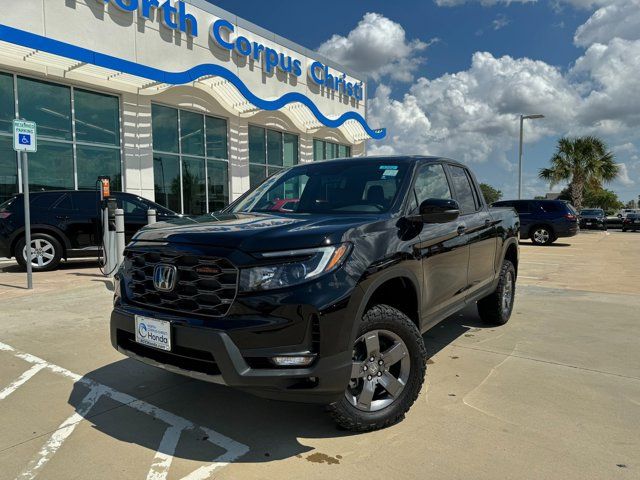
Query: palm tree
point(581, 161)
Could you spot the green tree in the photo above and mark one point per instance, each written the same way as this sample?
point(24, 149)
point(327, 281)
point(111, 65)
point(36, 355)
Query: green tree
point(596, 198)
point(490, 193)
point(582, 162)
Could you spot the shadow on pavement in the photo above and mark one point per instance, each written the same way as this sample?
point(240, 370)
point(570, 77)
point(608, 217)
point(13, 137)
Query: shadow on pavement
point(270, 428)
point(552, 245)
point(69, 265)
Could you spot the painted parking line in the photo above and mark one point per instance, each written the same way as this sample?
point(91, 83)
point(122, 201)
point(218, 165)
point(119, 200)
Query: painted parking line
point(176, 425)
point(529, 278)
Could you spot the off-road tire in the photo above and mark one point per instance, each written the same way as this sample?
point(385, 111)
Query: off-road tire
point(54, 249)
point(492, 309)
point(384, 317)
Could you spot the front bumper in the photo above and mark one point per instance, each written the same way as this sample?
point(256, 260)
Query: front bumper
point(212, 356)
point(586, 224)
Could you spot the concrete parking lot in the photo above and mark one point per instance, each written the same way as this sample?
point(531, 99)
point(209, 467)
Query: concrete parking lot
point(555, 394)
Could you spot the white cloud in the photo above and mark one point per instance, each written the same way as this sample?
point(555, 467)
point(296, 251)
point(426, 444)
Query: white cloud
point(500, 22)
point(618, 20)
point(623, 176)
point(612, 73)
point(377, 47)
point(473, 115)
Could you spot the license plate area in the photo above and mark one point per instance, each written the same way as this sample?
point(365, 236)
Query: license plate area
point(153, 333)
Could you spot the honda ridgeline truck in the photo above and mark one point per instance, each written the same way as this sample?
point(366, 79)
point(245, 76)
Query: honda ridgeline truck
point(326, 303)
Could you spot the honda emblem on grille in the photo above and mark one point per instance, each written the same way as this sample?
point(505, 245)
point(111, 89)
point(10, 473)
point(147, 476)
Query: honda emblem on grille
point(164, 277)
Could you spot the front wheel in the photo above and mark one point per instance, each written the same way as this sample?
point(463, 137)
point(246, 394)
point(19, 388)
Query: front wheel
point(496, 308)
point(389, 365)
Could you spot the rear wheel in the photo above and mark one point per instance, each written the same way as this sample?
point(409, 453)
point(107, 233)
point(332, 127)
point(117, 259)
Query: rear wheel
point(542, 235)
point(46, 252)
point(496, 308)
point(389, 365)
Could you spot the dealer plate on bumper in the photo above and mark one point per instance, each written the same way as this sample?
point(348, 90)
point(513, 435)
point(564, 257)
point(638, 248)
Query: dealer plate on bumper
point(153, 333)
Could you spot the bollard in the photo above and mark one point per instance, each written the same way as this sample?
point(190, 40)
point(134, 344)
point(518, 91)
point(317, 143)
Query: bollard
point(105, 236)
point(120, 239)
point(151, 216)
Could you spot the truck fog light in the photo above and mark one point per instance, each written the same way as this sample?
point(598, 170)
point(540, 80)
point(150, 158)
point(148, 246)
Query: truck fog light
point(293, 361)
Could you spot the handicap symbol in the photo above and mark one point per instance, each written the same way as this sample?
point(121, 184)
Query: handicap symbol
point(24, 139)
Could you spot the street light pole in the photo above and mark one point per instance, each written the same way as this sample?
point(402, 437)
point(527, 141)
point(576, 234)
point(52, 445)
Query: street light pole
point(520, 158)
point(522, 119)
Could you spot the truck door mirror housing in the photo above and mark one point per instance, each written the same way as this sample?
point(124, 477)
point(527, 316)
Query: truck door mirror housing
point(437, 210)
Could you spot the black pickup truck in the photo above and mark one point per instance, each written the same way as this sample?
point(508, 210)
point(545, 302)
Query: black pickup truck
point(326, 303)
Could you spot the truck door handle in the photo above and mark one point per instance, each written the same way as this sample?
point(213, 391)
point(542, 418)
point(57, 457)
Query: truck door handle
point(487, 223)
point(462, 229)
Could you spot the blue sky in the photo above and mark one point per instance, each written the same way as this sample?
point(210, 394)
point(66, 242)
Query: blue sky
point(469, 67)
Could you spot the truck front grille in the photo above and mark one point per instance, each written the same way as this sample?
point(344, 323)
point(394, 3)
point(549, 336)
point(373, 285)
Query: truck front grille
point(204, 286)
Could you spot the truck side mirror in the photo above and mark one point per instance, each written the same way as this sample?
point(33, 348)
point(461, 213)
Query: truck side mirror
point(437, 210)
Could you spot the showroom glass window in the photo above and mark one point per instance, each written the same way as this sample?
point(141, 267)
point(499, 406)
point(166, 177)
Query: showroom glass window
point(190, 160)
point(78, 131)
point(324, 150)
point(8, 158)
point(269, 152)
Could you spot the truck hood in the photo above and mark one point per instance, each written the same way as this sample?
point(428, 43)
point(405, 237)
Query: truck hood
point(256, 232)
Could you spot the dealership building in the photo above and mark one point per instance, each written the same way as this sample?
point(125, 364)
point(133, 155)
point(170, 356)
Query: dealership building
point(180, 102)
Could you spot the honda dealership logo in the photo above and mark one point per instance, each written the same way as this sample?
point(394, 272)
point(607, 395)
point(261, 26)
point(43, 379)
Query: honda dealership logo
point(164, 277)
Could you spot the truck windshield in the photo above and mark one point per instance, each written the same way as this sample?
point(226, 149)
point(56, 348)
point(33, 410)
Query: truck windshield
point(592, 212)
point(332, 187)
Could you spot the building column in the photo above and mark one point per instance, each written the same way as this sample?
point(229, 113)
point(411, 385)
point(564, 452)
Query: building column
point(238, 157)
point(306, 148)
point(138, 150)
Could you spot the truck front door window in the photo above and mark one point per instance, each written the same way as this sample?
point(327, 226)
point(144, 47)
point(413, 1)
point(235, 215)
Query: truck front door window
point(431, 182)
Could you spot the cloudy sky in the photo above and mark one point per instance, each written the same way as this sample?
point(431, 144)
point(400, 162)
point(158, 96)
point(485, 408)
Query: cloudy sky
point(450, 77)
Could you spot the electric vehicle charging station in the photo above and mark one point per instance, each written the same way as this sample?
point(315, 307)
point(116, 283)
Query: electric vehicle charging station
point(113, 241)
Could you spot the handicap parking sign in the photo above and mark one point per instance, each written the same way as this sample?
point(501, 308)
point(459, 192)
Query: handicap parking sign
point(25, 136)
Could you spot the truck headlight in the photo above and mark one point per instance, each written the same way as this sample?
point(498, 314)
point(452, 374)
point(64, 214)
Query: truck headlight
point(293, 267)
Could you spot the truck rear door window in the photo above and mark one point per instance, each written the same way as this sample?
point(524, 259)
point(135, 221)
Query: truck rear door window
point(464, 190)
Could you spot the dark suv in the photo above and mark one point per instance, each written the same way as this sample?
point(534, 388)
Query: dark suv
point(593, 218)
point(631, 222)
point(65, 224)
point(325, 303)
point(544, 221)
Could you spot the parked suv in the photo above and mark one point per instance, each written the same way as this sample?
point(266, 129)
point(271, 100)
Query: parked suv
point(65, 224)
point(544, 221)
point(593, 218)
point(325, 303)
point(631, 222)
